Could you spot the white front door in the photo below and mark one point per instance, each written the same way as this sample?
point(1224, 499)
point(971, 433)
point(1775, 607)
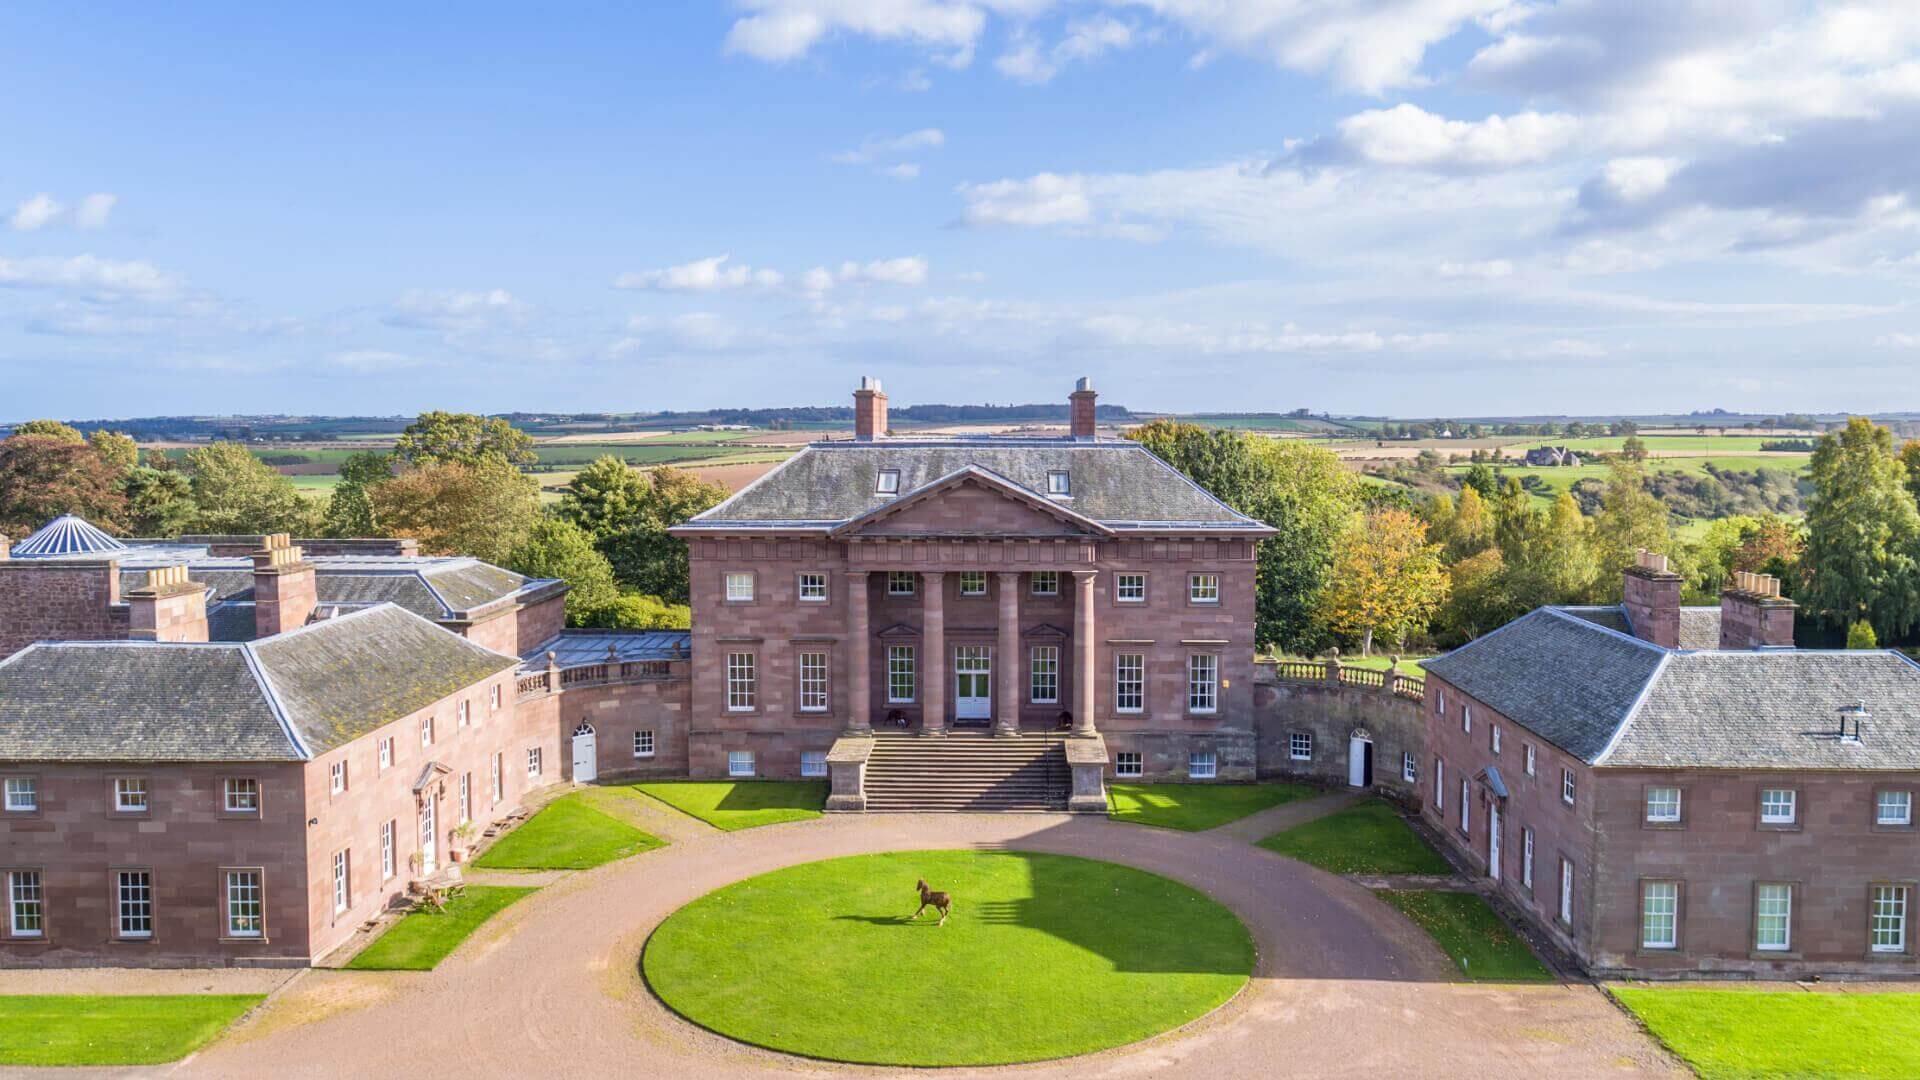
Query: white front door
point(1493, 841)
point(427, 845)
point(1357, 762)
point(586, 760)
point(972, 676)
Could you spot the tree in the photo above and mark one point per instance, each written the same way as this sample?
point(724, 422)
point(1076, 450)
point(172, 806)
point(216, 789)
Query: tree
point(52, 429)
point(237, 493)
point(1861, 533)
point(1860, 635)
point(1477, 597)
point(1388, 579)
point(43, 476)
point(1910, 458)
point(644, 556)
point(1633, 449)
point(1630, 519)
point(1481, 478)
point(1567, 552)
point(440, 437)
point(486, 509)
point(1222, 460)
point(159, 502)
point(556, 548)
point(1469, 529)
point(605, 498)
point(634, 611)
point(117, 450)
point(350, 507)
point(1307, 497)
point(1774, 546)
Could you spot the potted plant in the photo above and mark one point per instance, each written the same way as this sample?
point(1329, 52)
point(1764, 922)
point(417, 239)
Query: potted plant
point(462, 839)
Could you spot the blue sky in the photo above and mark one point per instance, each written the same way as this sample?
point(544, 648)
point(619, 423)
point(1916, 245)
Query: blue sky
point(1411, 207)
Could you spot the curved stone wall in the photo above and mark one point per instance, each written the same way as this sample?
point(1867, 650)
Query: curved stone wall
point(1333, 706)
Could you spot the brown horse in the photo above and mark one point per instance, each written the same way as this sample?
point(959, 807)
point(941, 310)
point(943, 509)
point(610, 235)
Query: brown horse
point(939, 901)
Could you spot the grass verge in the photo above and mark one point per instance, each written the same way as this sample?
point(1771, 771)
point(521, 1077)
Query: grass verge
point(1729, 1034)
point(69, 1029)
point(1196, 807)
point(1366, 839)
point(1045, 956)
point(1466, 928)
point(421, 939)
point(566, 835)
point(743, 804)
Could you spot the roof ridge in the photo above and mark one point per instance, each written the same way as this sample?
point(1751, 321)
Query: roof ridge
point(1633, 710)
point(272, 695)
point(1642, 642)
point(711, 512)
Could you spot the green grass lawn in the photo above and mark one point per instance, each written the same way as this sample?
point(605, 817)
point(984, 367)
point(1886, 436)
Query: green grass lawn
point(1045, 956)
point(566, 835)
point(60, 1029)
point(741, 804)
point(422, 939)
point(1726, 1034)
point(1470, 931)
point(1366, 839)
point(1194, 807)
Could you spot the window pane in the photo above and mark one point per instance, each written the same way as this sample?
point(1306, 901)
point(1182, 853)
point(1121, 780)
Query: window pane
point(741, 686)
point(1044, 667)
point(1772, 916)
point(26, 911)
point(1129, 682)
point(1894, 808)
point(1203, 678)
point(1046, 583)
point(813, 681)
point(1889, 918)
point(1127, 764)
point(899, 673)
point(739, 586)
point(1200, 765)
point(900, 582)
point(813, 763)
point(1130, 588)
point(1663, 804)
point(739, 763)
point(1203, 588)
point(1777, 805)
point(1659, 914)
point(244, 909)
point(134, 896)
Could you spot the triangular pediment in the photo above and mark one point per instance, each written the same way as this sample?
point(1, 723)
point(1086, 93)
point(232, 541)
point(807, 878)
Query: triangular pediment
point(973, 502)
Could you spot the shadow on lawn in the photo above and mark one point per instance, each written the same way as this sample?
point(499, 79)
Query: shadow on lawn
point(774, 795)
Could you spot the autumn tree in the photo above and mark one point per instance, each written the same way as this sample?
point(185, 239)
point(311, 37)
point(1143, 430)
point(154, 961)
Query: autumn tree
point(237, 493)
point(350, 507)
point(43, 476)
point(52, 429)
point(1862, 528)
point(1630, 519)
point(159, 502)
point(1388, 580)
point(442, 437)
point(557, 548)
point(485, 509)
point(117, 450)
point(1478, 599)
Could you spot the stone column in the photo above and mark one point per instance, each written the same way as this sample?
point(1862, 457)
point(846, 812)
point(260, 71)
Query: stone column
point(933, 638)
point(1084, 651)
point(859, 662)
point(1006, 704)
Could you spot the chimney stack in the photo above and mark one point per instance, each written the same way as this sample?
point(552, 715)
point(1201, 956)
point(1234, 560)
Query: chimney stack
point(1753, 614)
point(284, 592)
point(1080, 407)
point(1652, 600)
point(168, 607)
point(869, 410)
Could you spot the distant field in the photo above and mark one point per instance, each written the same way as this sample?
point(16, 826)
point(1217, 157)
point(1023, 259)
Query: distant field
point(1277, 423)
point(1561, 479)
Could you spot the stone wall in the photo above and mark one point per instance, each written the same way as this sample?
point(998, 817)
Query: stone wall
point(1332, 705)
point(59, 601)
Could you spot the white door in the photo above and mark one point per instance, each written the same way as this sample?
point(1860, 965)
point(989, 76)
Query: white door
point(972, 676)
point(427, 845)
point(1493, 841)
point(586, 762)
point(1357, 762)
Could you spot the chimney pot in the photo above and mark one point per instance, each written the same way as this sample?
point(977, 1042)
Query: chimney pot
point(1080, 408)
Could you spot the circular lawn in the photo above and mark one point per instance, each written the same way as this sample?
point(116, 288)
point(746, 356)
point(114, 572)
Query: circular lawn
point(1045, 956)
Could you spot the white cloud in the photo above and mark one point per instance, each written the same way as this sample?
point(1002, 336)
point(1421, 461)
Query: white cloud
point(1407, 135)
point(702, 275)
point(1085, 39)
point(910, 270)
point(1571, 348)
point(454, 310)
point(89, 274)
point(368, 361)
point(1898, 341)
point(906, 170)
point(874, 148)
point(782, 30)
point(44, 211)
point(1045, 199)
point(1485, 270)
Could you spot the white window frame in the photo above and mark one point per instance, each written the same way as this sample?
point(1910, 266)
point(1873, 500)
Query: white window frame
point(1043, 674)
point(493, 698)
point(973, 583)
point(901, 672)
point(812, 587)
point(23, 794)
point(462, 715)
point(902, 582)
point(740, 763)
point(1780, 907)
point(1567, 791)
point(743, 682)
point(131, 796)
point(1439, 782)
point(1300, 745)
point(1466, 719)
point(1203, 683)
point(1659, 914)
point(534, 762)
point(1900, 803)
point(1661, 810)
point(1466, 807)
point(389, 864)
point(1770, 807)
point(1203, 587)
point(886, 482)
point(342, 882)
point(814, 691)
point(133, 904)
point(1495, 729)
point(739, 584)
point(1130, 588)
point(466, 797)
point(813, 763)
point(1128, 764)
point(26, 904)
point(496, 779)
point(1526, 857)
point(1566, 890)
point(426, 731)
point(1530, 757)
point(386, 753)
point(1129, 682)
point(1059, 482)
point(1409, 767)
point(643, 743)
point(246, 902)
point(337, 777)
point(241, 795)
point(1887, 909)
point(1202, 765)
point(1044, 583)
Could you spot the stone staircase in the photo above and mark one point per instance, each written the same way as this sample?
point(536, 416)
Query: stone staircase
point(966, 772)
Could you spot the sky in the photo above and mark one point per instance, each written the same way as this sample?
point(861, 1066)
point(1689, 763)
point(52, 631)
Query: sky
point(1379, 207)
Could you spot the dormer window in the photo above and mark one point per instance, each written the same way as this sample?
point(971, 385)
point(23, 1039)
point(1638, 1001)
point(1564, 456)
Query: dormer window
point(1059, 482)
point(887, 482)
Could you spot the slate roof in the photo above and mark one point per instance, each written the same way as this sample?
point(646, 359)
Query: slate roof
point(1613, 700)
point(430, 587)
point(574, 648)
point(285, 698)
point(1699, 626)
point(1115, 482)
